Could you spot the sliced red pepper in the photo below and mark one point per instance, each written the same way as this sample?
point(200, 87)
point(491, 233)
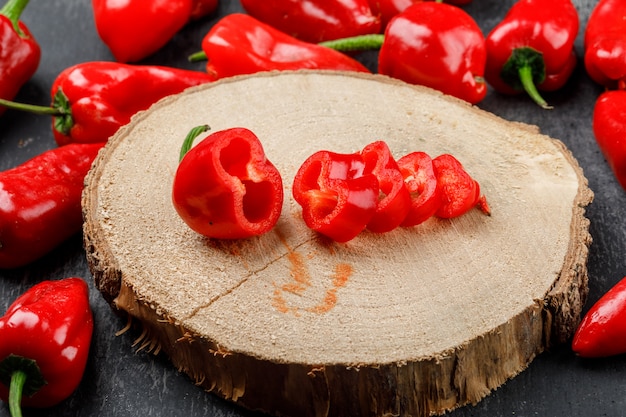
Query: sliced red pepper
point(394, 200)
point(609, 128)
point(44, 344)
point(605, 44)
point(420, 179)
point(337, 195)
point(315, 20)
point(225, 187)
point(532, 48)
point(602, 331)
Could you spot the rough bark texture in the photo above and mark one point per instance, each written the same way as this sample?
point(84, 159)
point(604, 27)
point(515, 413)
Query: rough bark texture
point(413, 322)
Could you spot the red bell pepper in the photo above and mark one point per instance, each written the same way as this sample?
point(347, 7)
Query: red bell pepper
point(387, 9)
point(605, 44)
point(394, 200)
point(315, 20)
point(602, 331)
point(420, 179)
point(338, 196)
point(609, 128)
point(225, 187)
point(240, 44)
point(40, 202)
point(532, 48)
point(92, 100)
point(44, 344)
point(19, 51)
point(437, 45)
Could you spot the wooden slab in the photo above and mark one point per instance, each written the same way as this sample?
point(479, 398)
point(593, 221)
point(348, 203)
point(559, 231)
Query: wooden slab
point(412, 322)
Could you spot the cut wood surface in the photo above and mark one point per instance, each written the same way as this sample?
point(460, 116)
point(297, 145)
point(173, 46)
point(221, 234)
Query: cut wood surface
point(411, 322)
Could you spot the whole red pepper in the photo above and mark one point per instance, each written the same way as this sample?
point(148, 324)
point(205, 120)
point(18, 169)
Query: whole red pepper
point(387, 9)
point(602, 331)
point(40, 202)
point(315, 20)
point(19, 51)
point(437, 45)
point(225, 187)
point(532, 48)
point(240, 44)
point(92, 100)
point(605, 44)
point(420, 179)
point(44, 344)
point(609, 128)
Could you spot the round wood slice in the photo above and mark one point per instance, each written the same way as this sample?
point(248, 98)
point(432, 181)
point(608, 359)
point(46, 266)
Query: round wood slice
point(416, 321)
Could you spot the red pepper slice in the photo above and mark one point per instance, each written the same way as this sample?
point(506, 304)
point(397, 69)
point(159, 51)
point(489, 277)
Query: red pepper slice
point(44, 343)
point(394, 199)
point(315, 20)
point(19, 51)
point(420, 179)
point(337, 195)
point(602, 329)
point(609, 128)
point(225, 187)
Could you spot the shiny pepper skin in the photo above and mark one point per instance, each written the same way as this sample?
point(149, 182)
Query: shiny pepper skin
point(19, 51)
point(436, 45)
point(605, 44)
point(609, 128)
point(46, 334)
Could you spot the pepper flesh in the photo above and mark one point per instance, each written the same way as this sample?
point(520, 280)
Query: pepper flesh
point(609, 128)
point(240, 44)
point(315, 20)
point(19, 51)
point(605, 44)
point(532, 48)
point(50, 324)
point(437, 45)
point(41, 202)
point(226, 188)
point(459, 191)
point(420, 179)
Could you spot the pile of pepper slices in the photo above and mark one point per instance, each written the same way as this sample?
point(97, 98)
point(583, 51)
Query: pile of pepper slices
point(428, 43)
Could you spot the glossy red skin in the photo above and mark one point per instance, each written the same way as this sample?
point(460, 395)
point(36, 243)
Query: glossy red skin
point(437, 45)
point(40, 202)
point(240, 44)
point(338, 197)
point(420, 179)
point(226, 188)
point(459, 191)
point(387, 9)
point(548, 26)
point(609, 128)
point(52, 324)
point(602, 331)
point(394, 201)
point(605, 44)
point(104, 96)
point(19, 58)
point(315, 21)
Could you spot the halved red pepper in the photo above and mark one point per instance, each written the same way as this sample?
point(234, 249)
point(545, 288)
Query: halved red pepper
point(338, 196)
point(225, 187)
point(240, 44)
point(609, 128)
point(420, 179)
point(605, 44)
point(394, 200)
point(315, 20)
point(532, 48)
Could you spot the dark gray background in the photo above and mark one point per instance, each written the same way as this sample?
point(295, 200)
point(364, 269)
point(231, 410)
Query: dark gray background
point(121, 382)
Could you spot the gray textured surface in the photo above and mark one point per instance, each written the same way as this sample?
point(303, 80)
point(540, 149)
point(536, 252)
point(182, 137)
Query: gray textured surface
point(121, 382)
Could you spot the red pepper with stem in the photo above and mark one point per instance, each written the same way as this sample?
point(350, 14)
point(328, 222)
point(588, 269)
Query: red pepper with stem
point(315, 20)
point(605, 44)
point(40, 202)
point(609, 128)
point(19, 51)
point(225, 187)
point(532, 48)
point(240, 44)
point(44, 344)
point(92, 100)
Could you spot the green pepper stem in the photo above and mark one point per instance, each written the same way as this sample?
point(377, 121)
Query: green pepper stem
point(18, 380)
point(13, 10)
point(197, 57)
point(191, 136)
point(526, 78)
point(31, 108)
point(356, 43)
